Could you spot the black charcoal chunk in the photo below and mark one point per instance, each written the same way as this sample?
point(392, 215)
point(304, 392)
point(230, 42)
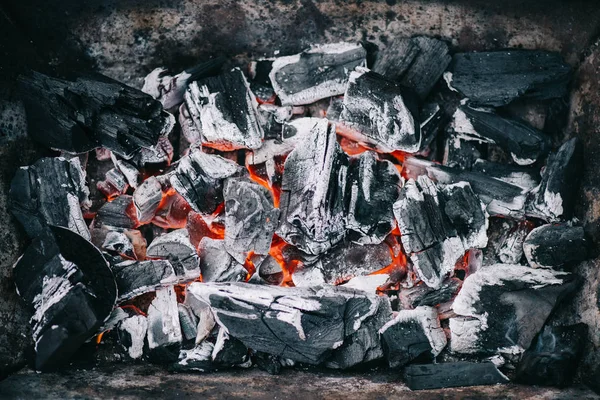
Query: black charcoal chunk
point(119, 242)
point(423, 295)
point(50, 192)
point(555, 197)
point(316, 73)
point(302, 324)
point(200, 177)
point(501, 307)
point(169, 90)
point(81, 115)
point(510, 247)
point(460, 153)
point(250, 218)
point(373, 188)
point(138, 277)
point(313, 192)
point(189, 322)
point(206, 318)
point(272, 118)
point(523, 142)
point(69, 286)
point(229, 351)
point(270, 271)
point(558, 246)
point(453, 374)
point(433, 119)
point(119, 213)
point(164, 332)
point(216, 264)
point(438, 225)
point(523, 177)
point(198, 359)
point(224, 111)
point(132, 335)
point(128, 169)
point(413, 334)
point(553, 358)
point(497, 78)
point(156, 156)
point(380, 113)
point(268, 363)
point(176, 247)
point(417, 62)
point(146, 199)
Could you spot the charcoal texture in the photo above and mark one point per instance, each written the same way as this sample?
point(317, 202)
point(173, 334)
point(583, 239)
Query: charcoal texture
point(557, 246)
point(454, 374)
point(176, 247)
point(523, 177)
point(216, 264)
point(423, 295)
point(164, 332)
point(138, 277)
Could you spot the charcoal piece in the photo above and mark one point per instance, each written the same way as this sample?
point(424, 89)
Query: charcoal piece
point(119, 243)
point(138, 277)
point(146, 199)
point(132, 335)
point(308, 276)
point(260, 83)
point(216, 264)
point(510, 248)
point(272, 118)
point(501, 307)
point(268, 363)
point(452, 374)
point(116, 316)
point(113, 184)
point(189, 130)
point(423, 295)
point(128, 169)
point(373, 188)
point(228, 351)
point(50, 192)
point(364, 345)
point(316, 73)
point(367, 283)
point(189, 322)
point(302, 324)
point(348, 260)
point(433, 119)
point(156, 156)
point(460, 153)
point(555, 197)
point(206, 319)
point(199, 179)
point(499, 77)
point(250, 218)
point(523, 142)
point(523, 177)
point(313, 192)
point(224, 110)
point(176, 247)
point(553, 357)
point(198, 359)
point(270, 271)
point(438, 225)
point(68, 284)
point(557, 246)
point(89, 112)
point(381, 113)
point(412, 334)
point(169, 90)
point(417, 62)
point(164, 332)
point(119, 213)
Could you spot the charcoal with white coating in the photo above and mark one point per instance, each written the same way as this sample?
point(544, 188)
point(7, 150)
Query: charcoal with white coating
point(119, 213)
point(146, 199)
point(497, 78)
point(189, 322)
point(199, 179)
point(250, 218)
point(229, 351)
point(156, 156)
point(380, 113)
point(224, 111)
point(433, 119)
point(164, 332)
point(413, 334)
point(452, 374)
point(313, 194)
point(132, 335)
point(316, 73)
point(50, 192)
point(460, 153)
point(118, 242)
point(510, 248)
point(176, 247)
point(138, 277)
point(272, 118)
point(523, 177)
point(270, 271)
point(114, 183)
point(558, 246)
point(128, 169)
point(216, 264)
point(423, 295)
point(198, 359)
point(523, 142)
point(206, 319)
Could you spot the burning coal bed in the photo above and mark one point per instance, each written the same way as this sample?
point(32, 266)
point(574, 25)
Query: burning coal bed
point(314, 210)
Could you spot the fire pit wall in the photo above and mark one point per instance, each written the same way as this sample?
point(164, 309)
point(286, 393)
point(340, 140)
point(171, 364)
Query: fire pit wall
point(127, 39)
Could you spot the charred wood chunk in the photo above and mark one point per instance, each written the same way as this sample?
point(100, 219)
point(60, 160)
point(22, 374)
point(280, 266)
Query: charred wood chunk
point(132, 335)
point(224, 110)
point(176, 247)
point(555, 197)
point(510, 248)
point(216, 264)
point(250, 218)
point(423, 295)
point(260, 83)
point(50, 192)
point(499, 77)
point(316, 73)
point(417, 62)
point(138, 277)
point(188, 321)
point(381, 113)
point(114, 184)
point(553, 357)
point(78, 116)
point(502, 307)
point(128, 169)
point(169, 90)
point(270, 271)
point(373, 188)
point(313, 192)
point(433, 119)
point(523, 142)
point(119, 213)
point(453, 374)
point(157, 156)
point(557, 246)
point(302, 324)
point(198, 359)
point(413, 334)
point(438, 225)
point(272, 118)
point(146, 199)
point(164, 331)
point(189, 130)
point(460, 153)
point(199, 179)
point(68, 284)
point(229, 351)
point(205, 316)
point(523, 177)
point(119, 243)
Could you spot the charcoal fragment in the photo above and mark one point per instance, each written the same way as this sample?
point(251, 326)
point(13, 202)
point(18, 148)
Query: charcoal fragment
point(132, 335)
point(510, 248)
point(228, 351)
point(189, 322)
point(138, 277)
point(423, 295)
point(453, 374)
point(523, 177)
point(557, 246)
point(216, 264)
point(146, 199)
point(119, 213)
point(198, 359)
point(164, 332)
point(176, 247)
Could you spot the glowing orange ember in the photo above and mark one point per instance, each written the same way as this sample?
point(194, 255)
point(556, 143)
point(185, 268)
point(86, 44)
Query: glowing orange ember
point(287, 266)
point(172, 211)
point(249, 265)
point(263, 181)
point(350, 147)
point(200, 226)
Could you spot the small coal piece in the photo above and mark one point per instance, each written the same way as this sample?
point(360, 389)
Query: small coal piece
point(523, 177)
point(423, 295)
point(229, 351)
point(454, 374)
point(138, 277)
point(146, 199)
point(216, 264)
point(189, 322)
point(119, 213)
point(460, 153)
point(176, 247)
point(510, 248)
point(164, 332)
point(132, 333)
point(558, 246)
